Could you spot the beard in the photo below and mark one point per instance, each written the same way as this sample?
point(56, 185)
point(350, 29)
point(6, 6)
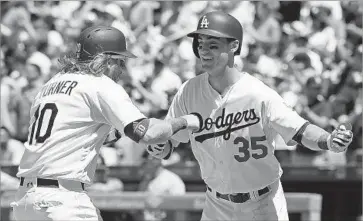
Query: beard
point(115, 72)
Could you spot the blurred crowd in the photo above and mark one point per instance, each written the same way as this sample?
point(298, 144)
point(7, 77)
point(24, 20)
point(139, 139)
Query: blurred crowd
point(309, 52)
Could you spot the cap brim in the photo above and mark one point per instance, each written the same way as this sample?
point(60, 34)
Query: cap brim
point(208, 32)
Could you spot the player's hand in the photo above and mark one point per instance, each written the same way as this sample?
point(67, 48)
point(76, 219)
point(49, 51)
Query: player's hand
point(113, 136)
point(160, 151)
point(340, 138)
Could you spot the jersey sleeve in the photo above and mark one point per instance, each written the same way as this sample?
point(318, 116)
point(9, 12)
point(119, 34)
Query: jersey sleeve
point(114, 106)
point(282, 118)
point(178, 109)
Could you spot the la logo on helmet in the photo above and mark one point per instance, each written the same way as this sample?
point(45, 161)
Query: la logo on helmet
point(204, 23)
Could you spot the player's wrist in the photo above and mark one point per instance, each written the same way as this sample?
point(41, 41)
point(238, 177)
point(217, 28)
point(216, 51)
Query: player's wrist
point(324, 142)
point(178, 124)
point(193, 120)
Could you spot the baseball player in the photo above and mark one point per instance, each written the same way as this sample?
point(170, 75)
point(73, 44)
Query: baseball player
point(239, 119)
point(71, 117)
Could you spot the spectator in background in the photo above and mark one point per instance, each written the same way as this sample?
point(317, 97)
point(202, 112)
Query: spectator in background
point(7, 183)
point(11, 150)
point(35, 81)
point(302, 68)
point(156, 181)
point(265, 28)
point(142, 15)
point(295, 37)
point(170, 20)
point(129, 152)
point(290, 11)
point(54, 39)
point(18, 20)
point(10, 108)
point(185, 64)
point(39, 58)
point(181, 17)
point(165, 82)
point(8, 93)
point(118, 21)
point(352, 12)
point(323, 38)
point(354, 154)
point(313, 107)
point(104, 183)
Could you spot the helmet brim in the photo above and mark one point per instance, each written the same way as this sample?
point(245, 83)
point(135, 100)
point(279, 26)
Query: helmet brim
point(208, 32)
point(124, 54)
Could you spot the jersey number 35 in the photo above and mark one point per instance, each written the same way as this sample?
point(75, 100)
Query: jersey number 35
point(257, 150)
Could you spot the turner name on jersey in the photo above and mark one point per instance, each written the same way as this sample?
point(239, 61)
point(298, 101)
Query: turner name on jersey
point(59, 87)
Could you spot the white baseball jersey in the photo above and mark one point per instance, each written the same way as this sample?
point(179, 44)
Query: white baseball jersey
point(235, 146)
point(71, 117)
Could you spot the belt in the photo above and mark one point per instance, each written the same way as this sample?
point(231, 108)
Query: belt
point(46, 182)
point(239, 197)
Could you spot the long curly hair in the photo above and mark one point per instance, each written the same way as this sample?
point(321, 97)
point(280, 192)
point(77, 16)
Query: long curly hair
point(97, 66)
point(100, 65)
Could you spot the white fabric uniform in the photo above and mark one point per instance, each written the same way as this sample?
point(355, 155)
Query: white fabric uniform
point(71, 117)
point(235, 148)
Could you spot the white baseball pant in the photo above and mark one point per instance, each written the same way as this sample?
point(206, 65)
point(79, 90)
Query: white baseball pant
point(67, 202)
point(269, 206)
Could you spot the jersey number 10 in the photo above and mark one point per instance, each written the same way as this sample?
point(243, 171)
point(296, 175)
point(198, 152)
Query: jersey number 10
point(39, 118)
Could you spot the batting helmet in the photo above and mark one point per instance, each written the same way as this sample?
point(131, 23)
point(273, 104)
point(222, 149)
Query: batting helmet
point(218, 24)
point(101, 39)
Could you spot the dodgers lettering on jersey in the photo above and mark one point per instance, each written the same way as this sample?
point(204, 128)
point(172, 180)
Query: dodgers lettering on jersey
point(236, 142)
point(226, 122)
point(71, 117)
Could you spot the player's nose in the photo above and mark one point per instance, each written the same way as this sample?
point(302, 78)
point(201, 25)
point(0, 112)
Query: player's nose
point(203, 50)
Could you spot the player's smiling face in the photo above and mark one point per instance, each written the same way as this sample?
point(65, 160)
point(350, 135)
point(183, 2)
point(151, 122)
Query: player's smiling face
point(210, 49)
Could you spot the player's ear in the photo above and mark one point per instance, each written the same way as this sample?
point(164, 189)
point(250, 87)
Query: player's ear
point(233, 46)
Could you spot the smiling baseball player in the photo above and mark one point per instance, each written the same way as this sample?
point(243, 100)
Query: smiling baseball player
point(239, 119)
point(72, 115)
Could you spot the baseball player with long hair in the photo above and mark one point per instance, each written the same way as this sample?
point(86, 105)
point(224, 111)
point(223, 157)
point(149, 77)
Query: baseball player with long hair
point(71, 117)
point(239, 119)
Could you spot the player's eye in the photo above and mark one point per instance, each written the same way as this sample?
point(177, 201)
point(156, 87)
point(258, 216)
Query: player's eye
point(209, 46)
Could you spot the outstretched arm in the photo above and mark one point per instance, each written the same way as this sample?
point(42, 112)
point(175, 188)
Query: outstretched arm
point(316, 138)
point(155, 131)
